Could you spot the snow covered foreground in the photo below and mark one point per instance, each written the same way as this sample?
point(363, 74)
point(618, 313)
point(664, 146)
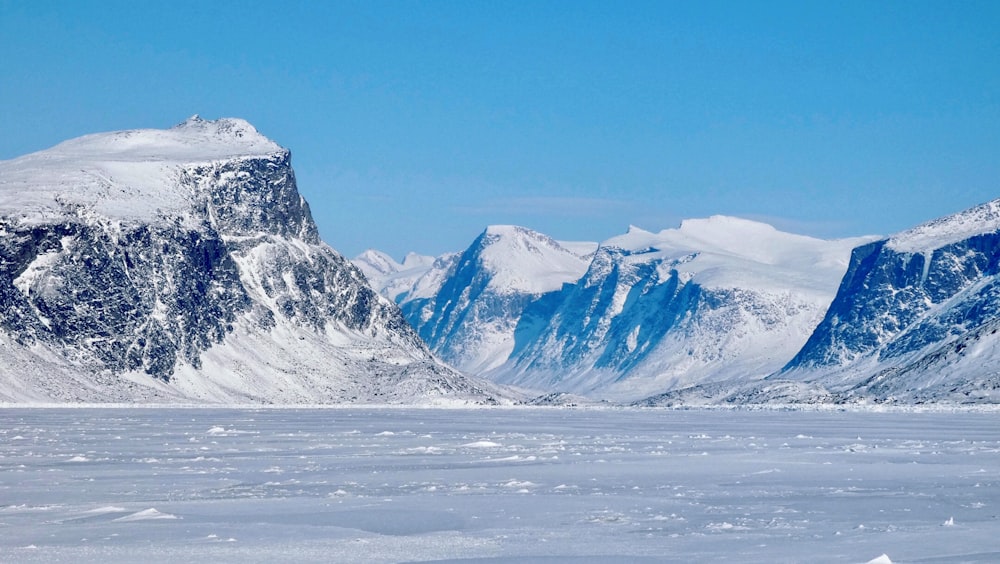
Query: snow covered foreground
point(499, 485)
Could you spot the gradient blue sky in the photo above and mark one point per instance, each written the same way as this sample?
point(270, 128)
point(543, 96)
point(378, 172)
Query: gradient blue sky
point(413, 125)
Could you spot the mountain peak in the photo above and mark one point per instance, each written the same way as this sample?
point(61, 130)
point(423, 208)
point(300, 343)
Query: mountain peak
point(725, 223)
point(636, 230)
point(524, 260)
point(501, 240)
point(509, 231)
point(375, 263)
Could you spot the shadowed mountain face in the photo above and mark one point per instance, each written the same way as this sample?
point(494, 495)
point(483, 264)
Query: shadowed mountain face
point(915, 316)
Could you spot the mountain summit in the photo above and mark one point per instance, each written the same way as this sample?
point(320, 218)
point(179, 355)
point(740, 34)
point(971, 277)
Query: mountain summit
point(471, 308)
point(183, 265)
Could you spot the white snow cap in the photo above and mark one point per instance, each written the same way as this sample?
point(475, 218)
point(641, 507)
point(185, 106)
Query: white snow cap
point(523, 260)
point(984, 218)
point(723, 251)
point(123, 174)
point(193, 140)
point(375, 263)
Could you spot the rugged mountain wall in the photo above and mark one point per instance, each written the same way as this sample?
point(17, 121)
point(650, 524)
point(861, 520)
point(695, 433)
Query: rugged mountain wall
point(471, 318)
point(915, 316)
point(916, 320)
point(645, 312)
point(661, 311)
point(184, 264)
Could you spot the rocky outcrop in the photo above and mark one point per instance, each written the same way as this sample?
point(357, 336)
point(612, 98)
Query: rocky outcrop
point(915, 317)
point(163, 253)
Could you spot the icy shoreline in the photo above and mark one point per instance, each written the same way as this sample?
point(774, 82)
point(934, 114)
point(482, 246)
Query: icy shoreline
point(806, 408)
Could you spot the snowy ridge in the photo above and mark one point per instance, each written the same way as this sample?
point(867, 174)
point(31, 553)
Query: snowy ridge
point(984, 218)
point(729, 251)
point(193, 140)
point(519, 259)
point(398, 281)
point(132, 175)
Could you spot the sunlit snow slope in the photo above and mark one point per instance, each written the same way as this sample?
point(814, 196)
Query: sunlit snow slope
point(183, 265)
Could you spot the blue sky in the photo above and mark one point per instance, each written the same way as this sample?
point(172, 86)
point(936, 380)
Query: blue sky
point(413, 125)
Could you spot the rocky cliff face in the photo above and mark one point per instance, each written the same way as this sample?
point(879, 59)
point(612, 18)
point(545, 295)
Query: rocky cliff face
point(184, 264)
point(915, 316)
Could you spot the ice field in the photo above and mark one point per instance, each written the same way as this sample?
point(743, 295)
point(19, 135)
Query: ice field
point(497, 485)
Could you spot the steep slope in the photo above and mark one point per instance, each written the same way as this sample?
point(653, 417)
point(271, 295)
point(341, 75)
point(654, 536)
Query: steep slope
point(183, 264)
point(714, 299)
point(468, 313)
point(915, 318)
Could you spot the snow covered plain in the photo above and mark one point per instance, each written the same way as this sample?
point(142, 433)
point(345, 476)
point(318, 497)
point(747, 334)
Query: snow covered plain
point(497, 485)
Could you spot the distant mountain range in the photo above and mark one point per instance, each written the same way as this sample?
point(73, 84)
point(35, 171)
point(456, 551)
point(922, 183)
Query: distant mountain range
point(635, 315)
point(719, 311)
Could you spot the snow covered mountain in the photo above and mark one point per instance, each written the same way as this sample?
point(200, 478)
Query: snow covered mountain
point(400, 281)
point(916, 317)
point(714, 299)
point(467, 307)
point(644, 312)
point(183, 265)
